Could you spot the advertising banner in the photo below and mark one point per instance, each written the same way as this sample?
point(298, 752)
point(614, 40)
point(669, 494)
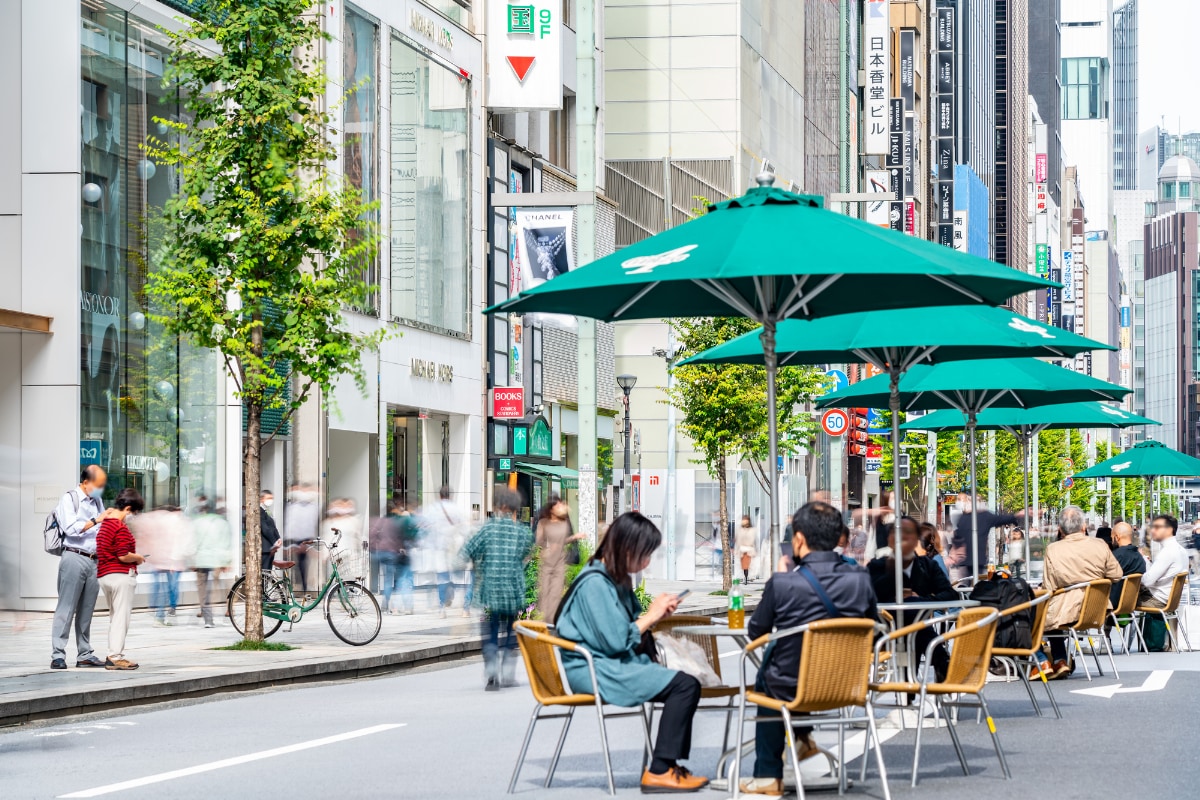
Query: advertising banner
point(544, 244)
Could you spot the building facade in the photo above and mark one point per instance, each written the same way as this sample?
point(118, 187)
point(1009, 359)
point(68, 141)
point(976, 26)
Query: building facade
point(1125, 96)
point(1012, 119)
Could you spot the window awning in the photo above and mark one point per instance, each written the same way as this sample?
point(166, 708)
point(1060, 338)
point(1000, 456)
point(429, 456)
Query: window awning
point(568, 476)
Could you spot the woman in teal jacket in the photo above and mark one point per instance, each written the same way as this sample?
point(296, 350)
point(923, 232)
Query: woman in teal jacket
point(602, 613)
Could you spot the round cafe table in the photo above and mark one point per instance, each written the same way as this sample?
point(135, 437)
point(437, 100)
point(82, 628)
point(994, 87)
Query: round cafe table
point(919, 610)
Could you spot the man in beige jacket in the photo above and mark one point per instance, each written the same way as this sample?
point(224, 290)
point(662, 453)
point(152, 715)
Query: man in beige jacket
point(1074, 558)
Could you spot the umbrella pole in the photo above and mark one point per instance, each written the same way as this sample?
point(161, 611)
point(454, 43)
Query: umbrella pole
point(1025, 469)
point(894, 407)
point(769, 356)
point(974, 501)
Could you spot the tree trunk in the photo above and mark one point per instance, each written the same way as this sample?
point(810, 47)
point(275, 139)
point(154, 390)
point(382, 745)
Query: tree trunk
point(723, 509)
point(252, 486)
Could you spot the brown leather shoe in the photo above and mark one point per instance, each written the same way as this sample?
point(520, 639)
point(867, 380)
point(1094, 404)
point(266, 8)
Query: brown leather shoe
point(806, 748)
point(675, 780)
point(1061, 670)
point(1035, 673)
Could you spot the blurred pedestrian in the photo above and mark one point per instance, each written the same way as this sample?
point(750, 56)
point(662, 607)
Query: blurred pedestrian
point(383, 539)
point(212, 555)
point(444, 523)
point(301, 519)
point(341, 516)
point(268, 532)
point(117, 561)
point(166, 536)
point(78, 516)
point(499, 551)
point(1014, 552)
point(747, 546)
point(554, 536)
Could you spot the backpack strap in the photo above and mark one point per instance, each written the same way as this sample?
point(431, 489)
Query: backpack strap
point(822, 595)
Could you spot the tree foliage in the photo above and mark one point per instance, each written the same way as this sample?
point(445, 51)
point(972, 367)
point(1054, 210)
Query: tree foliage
point(263, 247)
point(725, 407)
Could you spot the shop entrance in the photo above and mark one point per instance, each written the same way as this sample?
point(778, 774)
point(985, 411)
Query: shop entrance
point(418, 455)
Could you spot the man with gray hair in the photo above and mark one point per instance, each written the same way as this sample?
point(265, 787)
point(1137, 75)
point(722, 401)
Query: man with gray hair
point(1074, 558)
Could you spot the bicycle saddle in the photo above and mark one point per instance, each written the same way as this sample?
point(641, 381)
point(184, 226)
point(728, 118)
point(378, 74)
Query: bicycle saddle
point(285, 564)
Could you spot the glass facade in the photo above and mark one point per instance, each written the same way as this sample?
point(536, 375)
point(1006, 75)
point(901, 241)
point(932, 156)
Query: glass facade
point(1085, 88)
point(360, 126)
point(430, 163)
point(149, 402)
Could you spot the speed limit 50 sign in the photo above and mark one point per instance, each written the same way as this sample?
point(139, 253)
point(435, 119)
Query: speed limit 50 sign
point(835, 422)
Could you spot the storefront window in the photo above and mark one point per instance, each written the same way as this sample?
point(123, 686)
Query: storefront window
point(360, 55)
point(149, 401)
point(429, 173)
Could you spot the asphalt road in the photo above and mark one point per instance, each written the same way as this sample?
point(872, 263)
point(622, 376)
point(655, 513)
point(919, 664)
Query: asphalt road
point(437, 734)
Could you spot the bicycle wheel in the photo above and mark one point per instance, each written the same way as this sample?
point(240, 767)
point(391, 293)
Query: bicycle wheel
point(353, 613)
point(236, 606)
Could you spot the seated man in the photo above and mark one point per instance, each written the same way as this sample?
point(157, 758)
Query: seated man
point(924, 581)
point(1170, 561)
point(1127, 556)
point(1074, 558)
point(791, 599)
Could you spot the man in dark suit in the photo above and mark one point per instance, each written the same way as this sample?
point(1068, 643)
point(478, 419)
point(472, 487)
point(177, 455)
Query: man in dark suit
point(924, 581)
point(791, 599)
point(268, 532)
point(1127, 555)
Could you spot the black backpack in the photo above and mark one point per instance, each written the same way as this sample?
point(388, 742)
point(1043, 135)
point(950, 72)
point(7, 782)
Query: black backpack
point(1015, 630)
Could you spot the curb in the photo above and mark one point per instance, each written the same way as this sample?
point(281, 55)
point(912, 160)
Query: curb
point(168, 688)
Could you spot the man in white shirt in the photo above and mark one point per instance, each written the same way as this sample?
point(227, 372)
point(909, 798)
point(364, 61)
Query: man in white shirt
point(1171, 560)
point(444, 524)
point(79, 514)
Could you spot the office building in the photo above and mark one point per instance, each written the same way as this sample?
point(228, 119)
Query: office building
point(1129, 215)
point(1125, 96)
point(1045, 86)
point(1172, 307)
point(1087, 131)
point(1012, 118)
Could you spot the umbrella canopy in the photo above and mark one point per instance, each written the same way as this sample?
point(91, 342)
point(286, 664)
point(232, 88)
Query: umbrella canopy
point(905, 337)
point(973, 386)
point(1149, 459)
point(1019, 421)
point(772, 254)
point(1025, 423)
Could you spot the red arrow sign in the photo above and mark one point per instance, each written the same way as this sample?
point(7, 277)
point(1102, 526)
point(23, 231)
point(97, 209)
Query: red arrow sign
point(520, 65)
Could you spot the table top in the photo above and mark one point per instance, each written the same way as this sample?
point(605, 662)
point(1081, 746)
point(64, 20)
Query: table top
point(716, 629)
point(930, 605)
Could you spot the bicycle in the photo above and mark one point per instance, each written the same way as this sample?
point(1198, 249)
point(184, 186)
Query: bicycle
point(350, 609)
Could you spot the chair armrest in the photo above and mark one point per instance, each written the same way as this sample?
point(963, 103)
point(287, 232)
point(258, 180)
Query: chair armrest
point(957, 632)
point(1036, 601)
point(909, 630)
point(1071, 588)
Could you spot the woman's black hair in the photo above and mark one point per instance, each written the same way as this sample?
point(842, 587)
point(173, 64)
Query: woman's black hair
point(547, 510)
point(931, 539)
point(630, 539)
point(129, 498)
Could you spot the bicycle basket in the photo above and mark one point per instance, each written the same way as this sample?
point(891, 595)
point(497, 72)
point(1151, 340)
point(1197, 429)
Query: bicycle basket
point(351, 565)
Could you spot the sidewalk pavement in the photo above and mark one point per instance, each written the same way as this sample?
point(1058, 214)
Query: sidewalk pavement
point(177, 661)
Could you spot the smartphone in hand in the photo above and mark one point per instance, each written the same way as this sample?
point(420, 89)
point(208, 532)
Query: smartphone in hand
point(683, 594)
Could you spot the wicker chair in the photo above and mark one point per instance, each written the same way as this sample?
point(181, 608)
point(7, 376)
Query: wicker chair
point(966, 675)
point(1024, 659)
point(834, 675)
point(1169, 614)
point(1090, 623)
point(667, 627)
point(1126, 603)
point(540, 651)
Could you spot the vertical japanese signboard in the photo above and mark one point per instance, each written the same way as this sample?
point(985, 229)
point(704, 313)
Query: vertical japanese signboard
point(943, 107)
point(895, 161)
point(877, 37)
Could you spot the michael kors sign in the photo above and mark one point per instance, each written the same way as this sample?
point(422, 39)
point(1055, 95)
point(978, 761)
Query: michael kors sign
point(432, 371)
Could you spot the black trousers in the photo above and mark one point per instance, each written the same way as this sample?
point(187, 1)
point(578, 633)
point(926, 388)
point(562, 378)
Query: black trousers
point(1058, 645)
point(770, 742)
point(680, 699)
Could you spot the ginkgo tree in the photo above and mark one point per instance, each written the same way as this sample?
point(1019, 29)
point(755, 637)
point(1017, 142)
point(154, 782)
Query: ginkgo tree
point(263, 246)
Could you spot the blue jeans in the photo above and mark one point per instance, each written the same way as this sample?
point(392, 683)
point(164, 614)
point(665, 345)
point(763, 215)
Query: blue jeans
point(445, 589)
point(403, 580)
point(166, 592)
point(493, 625)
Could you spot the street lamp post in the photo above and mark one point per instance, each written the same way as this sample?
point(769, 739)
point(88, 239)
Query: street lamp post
point(627, 382)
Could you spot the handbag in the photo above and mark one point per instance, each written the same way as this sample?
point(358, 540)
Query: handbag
point(573, 554)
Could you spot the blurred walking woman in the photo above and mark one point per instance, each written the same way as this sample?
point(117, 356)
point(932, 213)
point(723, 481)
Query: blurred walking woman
point(116, 569)
point(602, 613)
point(554, 533)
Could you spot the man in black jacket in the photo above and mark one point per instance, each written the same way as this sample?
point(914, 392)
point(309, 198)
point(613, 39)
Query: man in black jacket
point(1127, 556)
point(791, 599)
point(924, 581)
point(268, 532)
point(963, 541)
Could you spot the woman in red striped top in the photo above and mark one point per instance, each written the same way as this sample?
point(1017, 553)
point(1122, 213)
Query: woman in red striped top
point(116, 568)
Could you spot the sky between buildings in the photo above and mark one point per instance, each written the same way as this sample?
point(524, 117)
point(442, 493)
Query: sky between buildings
point(1168, 60)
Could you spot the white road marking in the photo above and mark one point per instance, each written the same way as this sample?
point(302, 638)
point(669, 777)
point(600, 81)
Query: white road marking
point(230, 762)
point(1155, 681)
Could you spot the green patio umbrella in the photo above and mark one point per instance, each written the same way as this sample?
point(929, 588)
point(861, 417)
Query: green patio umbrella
point(896, 340)
point(1025, 423)
point(771, 255)
point(1149, 460)
point(972, 387)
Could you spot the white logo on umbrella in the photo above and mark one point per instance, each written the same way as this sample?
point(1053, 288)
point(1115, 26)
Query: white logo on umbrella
point(1028, 327)
point(1124, 465)
point(644, 265)
point(1113, 411)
